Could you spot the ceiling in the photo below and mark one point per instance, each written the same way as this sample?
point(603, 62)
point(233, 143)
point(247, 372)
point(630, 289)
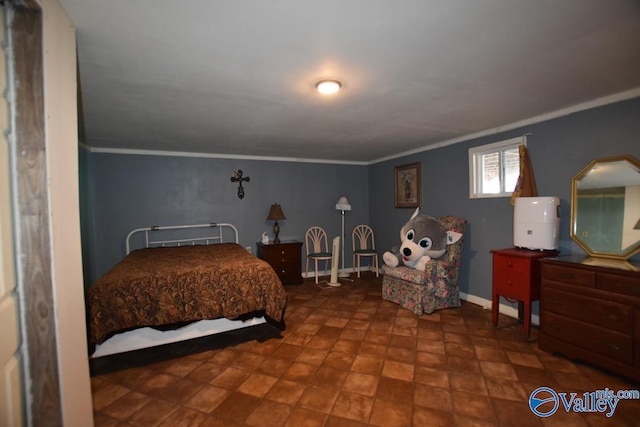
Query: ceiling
point(236, 78)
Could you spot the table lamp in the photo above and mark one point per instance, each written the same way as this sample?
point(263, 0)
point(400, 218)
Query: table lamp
point(275, 213)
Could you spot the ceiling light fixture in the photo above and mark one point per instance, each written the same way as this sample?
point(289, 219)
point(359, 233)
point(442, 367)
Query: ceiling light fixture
point(328, 87)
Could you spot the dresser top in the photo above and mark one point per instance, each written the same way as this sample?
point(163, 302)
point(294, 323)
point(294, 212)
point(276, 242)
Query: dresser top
point(524, 253)
point(604, 263)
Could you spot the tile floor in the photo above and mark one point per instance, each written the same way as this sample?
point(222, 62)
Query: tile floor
point(349, 358)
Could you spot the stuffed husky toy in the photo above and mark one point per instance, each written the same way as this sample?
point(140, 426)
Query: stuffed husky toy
point(423, 238)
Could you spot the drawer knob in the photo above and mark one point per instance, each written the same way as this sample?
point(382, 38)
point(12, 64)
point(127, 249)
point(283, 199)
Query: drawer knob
point(613, 346)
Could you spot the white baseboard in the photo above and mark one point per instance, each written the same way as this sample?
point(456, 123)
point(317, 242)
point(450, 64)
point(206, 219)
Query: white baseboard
point(507, 310)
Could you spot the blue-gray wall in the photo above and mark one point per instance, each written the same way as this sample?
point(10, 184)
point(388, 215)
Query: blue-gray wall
point(558, 149)
point(129, 191)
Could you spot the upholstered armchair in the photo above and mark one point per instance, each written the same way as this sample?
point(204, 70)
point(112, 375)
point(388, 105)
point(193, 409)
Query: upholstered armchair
point(424, 292)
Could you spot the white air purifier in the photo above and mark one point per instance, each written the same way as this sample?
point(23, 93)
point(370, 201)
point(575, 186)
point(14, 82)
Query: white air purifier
point(536, 223)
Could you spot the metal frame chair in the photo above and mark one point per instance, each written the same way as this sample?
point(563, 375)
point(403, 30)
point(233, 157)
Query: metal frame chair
point(317, 246)
point(364, 246)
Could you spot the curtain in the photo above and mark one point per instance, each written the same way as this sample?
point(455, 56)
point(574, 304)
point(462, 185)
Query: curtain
point(526, 185)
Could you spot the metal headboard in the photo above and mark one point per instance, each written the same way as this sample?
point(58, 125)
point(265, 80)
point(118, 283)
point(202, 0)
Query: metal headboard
point(151, 241)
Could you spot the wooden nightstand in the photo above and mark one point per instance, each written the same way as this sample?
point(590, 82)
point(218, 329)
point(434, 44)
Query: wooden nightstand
point(516, 274)
point(285, 259)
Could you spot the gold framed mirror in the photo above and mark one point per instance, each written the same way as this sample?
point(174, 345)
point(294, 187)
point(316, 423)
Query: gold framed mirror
point(605, 207)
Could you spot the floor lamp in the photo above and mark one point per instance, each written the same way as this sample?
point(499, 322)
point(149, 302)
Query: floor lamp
point(343, 205)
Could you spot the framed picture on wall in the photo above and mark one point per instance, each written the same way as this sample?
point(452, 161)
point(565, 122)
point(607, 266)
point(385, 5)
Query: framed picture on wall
point(408, 188)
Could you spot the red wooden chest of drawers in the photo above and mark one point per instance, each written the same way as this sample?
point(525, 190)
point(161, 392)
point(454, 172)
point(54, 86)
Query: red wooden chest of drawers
point(516, 275)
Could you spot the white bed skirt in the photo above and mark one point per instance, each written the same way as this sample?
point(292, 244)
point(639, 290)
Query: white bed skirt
point(148, 337)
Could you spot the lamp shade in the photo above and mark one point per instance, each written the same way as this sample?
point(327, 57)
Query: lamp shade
point(343, 204)
point(275, 212)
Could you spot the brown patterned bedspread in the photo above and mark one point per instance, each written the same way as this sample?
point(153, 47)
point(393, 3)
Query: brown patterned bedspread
point(163, 286)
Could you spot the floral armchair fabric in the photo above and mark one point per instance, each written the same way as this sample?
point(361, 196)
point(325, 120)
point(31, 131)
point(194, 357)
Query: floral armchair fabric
point(436, 287)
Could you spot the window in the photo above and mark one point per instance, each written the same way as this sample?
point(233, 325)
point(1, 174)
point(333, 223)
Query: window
point(494, 168)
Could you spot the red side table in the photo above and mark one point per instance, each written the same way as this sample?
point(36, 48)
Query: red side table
point(516, 275)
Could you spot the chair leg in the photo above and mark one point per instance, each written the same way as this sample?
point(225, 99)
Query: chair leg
point(359, 261)
point(353, 261)
point(316, 262)
point(375, 258)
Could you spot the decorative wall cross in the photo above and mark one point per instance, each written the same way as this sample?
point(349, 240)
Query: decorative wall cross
point(237, 177)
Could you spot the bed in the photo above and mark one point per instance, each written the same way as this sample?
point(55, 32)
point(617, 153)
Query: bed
point(178, 288)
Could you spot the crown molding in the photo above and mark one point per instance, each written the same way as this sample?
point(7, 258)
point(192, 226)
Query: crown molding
point(127, 151)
